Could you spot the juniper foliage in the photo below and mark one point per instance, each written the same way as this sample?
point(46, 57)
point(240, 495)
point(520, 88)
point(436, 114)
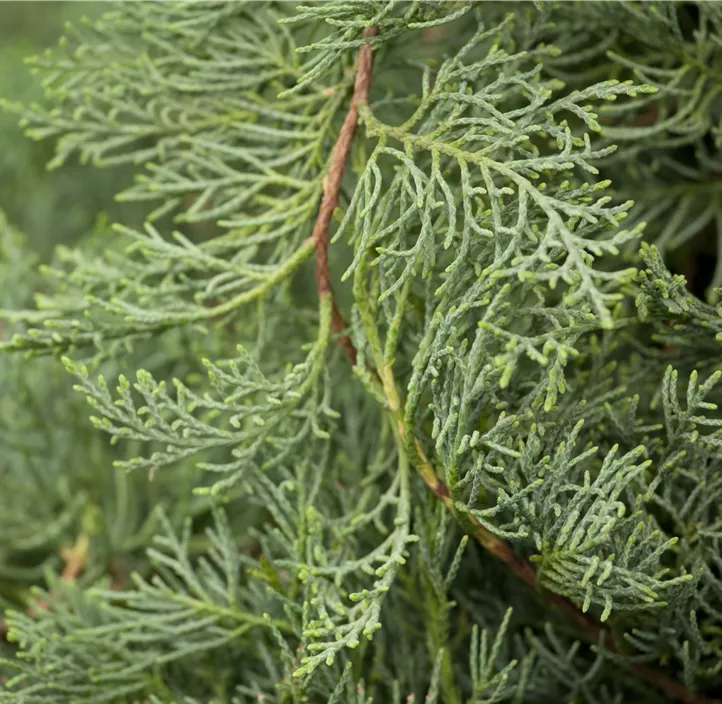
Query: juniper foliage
point(532, 382)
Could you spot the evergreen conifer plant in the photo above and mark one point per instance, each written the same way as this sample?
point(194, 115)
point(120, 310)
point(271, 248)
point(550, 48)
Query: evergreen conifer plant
point(410, 376)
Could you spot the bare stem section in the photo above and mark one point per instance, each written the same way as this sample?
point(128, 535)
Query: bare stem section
point(332, 186)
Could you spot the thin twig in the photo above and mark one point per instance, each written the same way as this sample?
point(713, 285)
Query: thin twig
point(596, 631)
point(75, 558)
point(332, 186)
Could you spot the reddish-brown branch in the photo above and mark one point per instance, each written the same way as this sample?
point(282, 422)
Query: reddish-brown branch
point(332, 186)
point(497, 547)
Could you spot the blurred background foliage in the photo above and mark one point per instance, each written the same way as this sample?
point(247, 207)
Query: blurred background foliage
point(57, 487)
point(49, 207)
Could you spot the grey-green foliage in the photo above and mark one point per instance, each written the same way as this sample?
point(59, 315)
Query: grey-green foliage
point(515, 339)
point(51, 490)
point(668, 159)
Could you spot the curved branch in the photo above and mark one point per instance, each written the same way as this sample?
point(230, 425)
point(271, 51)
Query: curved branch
point(332, 186)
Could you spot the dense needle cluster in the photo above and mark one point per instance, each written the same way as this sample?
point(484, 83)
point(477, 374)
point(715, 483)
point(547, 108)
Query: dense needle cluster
point(411, 376)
